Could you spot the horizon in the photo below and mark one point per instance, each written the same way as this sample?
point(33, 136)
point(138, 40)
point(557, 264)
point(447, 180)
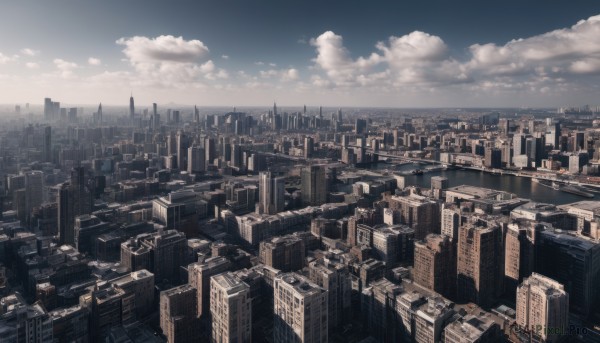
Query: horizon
point(349, 55)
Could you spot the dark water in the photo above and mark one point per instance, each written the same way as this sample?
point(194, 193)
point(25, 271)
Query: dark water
point(523, 187)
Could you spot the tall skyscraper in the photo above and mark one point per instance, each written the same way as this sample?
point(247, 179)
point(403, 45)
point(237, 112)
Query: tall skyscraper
point(199, 275)
point(314, 185)
point(131, 107)
point(271, 193)
point(542, 307)
point(518, 253)
point(196, 162)
point(309, 147)
point(230, 309)
point(210, 150)
point(48, 144)
point(435, 264)
point(334, 277)
point(182, 149)
point(480, 265)
point(301, 309)
point(99, 114)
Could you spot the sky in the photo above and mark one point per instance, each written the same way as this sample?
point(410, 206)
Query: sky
point(427, 53)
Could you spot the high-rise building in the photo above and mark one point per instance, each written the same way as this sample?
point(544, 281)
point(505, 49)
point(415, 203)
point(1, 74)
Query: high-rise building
point(48, 144)
point(559, 255)
point(480, 263)
point(314, 185)
point(178, 314)
point(435, 264)
point(231, 309)
point(34, 189)
point(360, 127)
point(334, 277)
point(162, 253)
point(182, 147)
point(131, 107)
point(422, 318)
point(450, 221)
point(418, 212)
point(542, 308)
point(300, 309)
point(210, 150)
point(271, 193)
point(74, 199)
point(309, 147)
point(519, 253)
point(199, 275)
point(196, 160)
point(284, 253)
point(378, 311)
point(493, 158)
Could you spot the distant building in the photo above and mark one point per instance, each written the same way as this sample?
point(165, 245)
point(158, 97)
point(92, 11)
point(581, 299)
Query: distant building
point(271, 193)
point(314, 185)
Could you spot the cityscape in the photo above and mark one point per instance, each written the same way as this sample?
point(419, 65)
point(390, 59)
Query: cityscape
point(438, 189)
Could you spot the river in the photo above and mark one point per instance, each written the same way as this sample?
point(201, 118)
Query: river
point(522, 186)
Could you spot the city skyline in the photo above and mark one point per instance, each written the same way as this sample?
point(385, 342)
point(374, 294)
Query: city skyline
point(431, 54)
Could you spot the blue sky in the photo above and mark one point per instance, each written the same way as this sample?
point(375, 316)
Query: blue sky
point(334, 53)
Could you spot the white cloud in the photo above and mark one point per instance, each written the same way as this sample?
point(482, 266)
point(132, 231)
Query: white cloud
point(94, 61)
point(575, 49)
point(141, 49)
point(169, 61)
point(30, 52)
point(65, 68)
point(284, 75)
point(225, 57)
point(421, 61)
point(32, 65)
point(5, 59)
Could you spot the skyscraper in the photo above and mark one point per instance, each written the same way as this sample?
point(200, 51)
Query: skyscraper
point(48, 144)
point(309, 147)
point(230, 309)
point(195, 162)
point(542, 307)
point(435, 264)
point(480, 263)
point(271, 193)
point(314, 185)
point(182, 147)
point(131, 107)
point(301, 310)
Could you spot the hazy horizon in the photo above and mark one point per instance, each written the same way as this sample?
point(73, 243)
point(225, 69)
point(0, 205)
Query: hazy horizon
point(430, 54)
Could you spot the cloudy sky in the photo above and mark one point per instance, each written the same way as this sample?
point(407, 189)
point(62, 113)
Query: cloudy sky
point(335, 53)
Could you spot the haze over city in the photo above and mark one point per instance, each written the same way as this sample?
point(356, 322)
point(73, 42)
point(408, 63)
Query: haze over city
point(299, 171)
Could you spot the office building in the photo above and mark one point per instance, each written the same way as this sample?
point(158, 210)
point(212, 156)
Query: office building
point(480, 263)
point(300, 309)
point(271, 193)
point(334, 277)
point(542, 307)
point(231, 309)
point(283, 253)
point(435, 264)
point(314, 185)
point(178, 315)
